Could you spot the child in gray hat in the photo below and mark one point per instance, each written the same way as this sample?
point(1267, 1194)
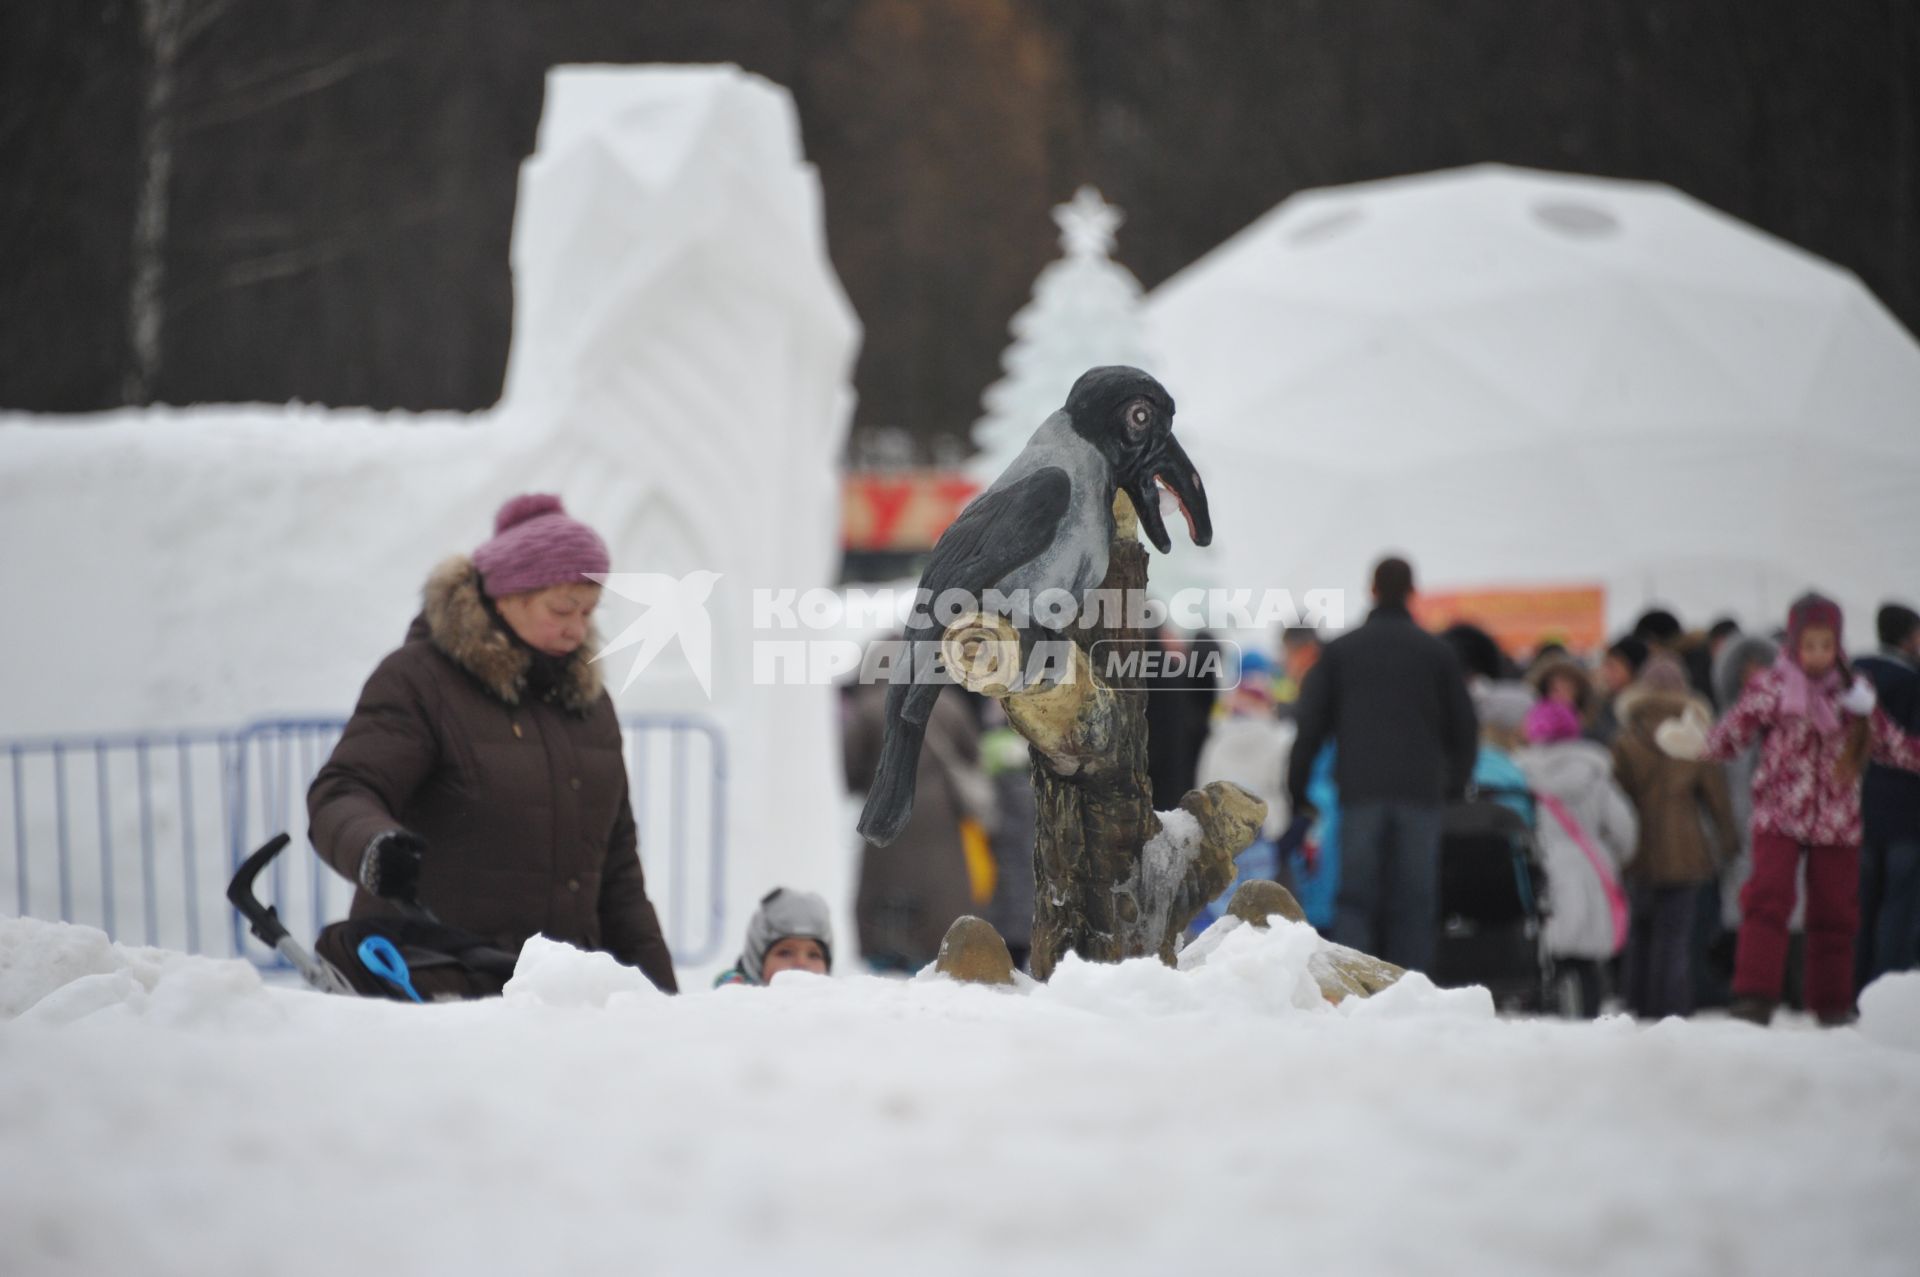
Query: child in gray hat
point(791, 930)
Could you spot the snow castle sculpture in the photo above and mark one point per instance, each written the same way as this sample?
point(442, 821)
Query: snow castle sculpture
point(680, 371)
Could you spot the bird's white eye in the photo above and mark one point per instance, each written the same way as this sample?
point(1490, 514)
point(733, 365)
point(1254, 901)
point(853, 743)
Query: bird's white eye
point(1138, 417)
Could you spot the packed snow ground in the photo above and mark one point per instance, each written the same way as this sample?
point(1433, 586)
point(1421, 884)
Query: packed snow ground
point(163, 1114)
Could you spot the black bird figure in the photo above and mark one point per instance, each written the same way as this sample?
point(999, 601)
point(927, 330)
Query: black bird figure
point(1044, 524)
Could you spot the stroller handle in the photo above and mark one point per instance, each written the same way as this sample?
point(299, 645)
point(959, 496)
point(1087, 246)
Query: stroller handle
point(263, 920)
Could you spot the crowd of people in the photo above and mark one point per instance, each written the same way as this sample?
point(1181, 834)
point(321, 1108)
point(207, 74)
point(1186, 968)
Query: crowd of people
point(1685, 859)
point(1711, 813)
point(1698, 805)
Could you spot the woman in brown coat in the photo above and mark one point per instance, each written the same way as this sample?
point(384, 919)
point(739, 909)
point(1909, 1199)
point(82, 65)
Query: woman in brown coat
point(1686, 834)
point(481, 774)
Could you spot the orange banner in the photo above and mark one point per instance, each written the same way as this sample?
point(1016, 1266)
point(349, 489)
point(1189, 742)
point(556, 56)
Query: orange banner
point(902, 509)
point(1523, 618)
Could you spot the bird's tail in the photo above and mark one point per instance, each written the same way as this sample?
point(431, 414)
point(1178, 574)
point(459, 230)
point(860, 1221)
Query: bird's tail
point(890, 799)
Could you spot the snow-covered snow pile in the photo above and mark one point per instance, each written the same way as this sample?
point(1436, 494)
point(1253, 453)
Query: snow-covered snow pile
point(1231, 960)
point(1890, 1010)
point(1122, 1119)
point(54, 973)
point(551, 973)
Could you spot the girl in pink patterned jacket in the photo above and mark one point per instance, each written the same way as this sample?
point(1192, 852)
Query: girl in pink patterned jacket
point(1817, 729)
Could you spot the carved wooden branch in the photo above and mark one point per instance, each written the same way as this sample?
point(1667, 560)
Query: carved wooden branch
point(1071, 719)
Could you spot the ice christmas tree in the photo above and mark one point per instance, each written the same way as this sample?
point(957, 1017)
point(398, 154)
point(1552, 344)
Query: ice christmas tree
point(1085, 311)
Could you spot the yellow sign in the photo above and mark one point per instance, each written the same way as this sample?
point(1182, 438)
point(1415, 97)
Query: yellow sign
point(1523, 618)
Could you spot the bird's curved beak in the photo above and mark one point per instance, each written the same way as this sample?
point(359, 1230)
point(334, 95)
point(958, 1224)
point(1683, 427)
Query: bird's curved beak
point(1169, 468)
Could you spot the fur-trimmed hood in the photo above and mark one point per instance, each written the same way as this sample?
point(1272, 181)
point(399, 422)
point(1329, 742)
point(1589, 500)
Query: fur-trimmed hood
point(1641, 709)
point(1567, 667)
point(455, 618)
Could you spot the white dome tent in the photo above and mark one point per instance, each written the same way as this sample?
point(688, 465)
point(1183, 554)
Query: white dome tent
point(1523, 378)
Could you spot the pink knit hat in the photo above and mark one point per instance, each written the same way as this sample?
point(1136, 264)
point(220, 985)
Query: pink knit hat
point(1550, 721)
point(535, 544)
point(1811, 611)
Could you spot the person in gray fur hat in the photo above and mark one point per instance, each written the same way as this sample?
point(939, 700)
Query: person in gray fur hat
point(790, 931)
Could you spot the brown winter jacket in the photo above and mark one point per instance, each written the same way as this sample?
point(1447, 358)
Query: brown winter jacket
point(1686, 818)
point(522, 801)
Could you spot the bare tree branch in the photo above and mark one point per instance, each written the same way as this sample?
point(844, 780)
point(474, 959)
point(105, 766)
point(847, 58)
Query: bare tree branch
point(273, 88)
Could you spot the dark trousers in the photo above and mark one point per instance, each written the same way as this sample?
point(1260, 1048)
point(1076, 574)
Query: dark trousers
point(1833, 917)
point(1659, 957)
point(1389, 901)
point(1712, 949)
point(1889, 909)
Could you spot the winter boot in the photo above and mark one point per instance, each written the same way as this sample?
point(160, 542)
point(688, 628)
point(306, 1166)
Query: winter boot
point(1837, 1019)
point(1751, 1009)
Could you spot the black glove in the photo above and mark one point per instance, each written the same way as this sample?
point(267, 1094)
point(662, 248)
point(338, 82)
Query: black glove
point(390, 866)
point(1294, 836)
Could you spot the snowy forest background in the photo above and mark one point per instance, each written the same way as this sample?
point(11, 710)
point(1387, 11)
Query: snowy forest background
point(235, 200)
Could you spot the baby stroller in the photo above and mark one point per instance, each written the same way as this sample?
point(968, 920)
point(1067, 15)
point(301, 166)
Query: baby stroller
point(1491, 903)
point(414, 958)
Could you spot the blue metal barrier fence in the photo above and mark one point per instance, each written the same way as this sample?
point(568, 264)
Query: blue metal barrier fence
point(105, 828)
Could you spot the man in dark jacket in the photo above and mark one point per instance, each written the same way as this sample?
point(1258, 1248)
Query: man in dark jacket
point(1180, 713)
point(1394, 699)
point(1889, 936)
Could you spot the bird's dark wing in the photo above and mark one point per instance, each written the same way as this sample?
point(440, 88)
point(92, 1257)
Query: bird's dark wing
point(999, 531)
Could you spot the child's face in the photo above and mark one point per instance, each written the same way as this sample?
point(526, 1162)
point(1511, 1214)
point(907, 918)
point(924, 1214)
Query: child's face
point(1252, 699)
point(794, 953)
point(1562, 688)
point(1817, 651)
point(1615, 673)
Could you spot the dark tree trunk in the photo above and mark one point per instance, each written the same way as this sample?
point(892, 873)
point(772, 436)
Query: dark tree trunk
point(1104, 888)
point(1092, 825)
